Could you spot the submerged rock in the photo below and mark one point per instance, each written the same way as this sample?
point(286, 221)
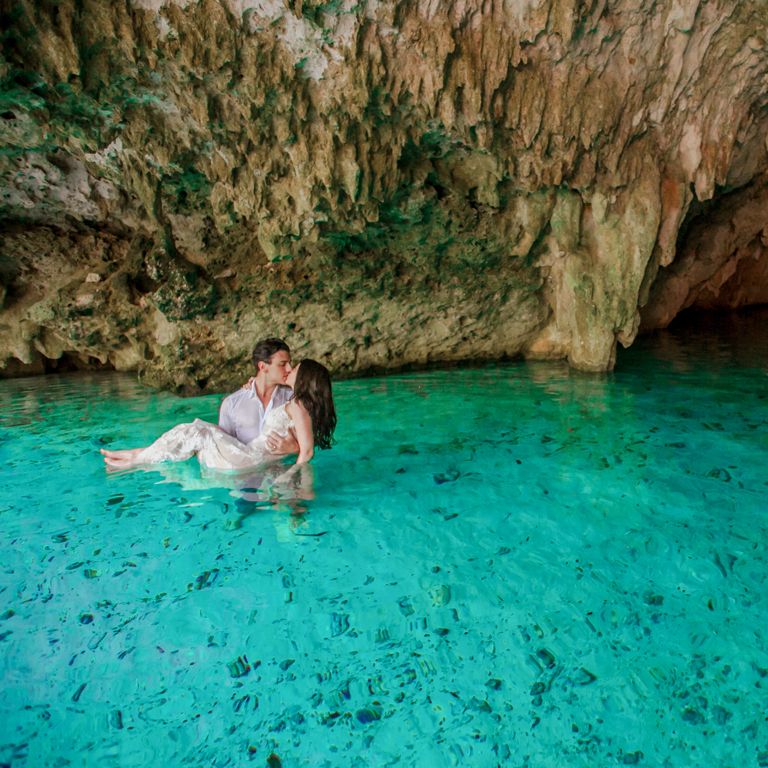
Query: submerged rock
point(382, 184)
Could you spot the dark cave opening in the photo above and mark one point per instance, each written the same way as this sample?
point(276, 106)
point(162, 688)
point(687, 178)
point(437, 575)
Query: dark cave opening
point(69, 362)
point(721, 336)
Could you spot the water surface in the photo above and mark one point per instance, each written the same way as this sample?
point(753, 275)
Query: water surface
point(514, 564)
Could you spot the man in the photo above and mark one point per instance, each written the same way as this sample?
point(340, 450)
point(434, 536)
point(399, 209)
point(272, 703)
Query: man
point(243, 413)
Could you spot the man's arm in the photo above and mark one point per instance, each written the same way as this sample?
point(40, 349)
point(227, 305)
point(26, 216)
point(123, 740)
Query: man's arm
point(225, 418)
point(278, 445)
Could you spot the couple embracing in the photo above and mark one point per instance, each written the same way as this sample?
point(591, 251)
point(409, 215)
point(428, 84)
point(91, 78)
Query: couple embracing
point(282, 410)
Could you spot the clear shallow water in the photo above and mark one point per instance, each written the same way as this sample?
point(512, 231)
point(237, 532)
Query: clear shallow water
point(507, 565)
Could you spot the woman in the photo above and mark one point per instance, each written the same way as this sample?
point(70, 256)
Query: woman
point(311, 413)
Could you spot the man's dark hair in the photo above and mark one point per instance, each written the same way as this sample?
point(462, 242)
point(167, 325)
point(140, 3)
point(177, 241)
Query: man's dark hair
point(265, 350)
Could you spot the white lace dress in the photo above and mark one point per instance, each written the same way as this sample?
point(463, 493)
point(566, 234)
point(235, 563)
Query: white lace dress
point(214, 448)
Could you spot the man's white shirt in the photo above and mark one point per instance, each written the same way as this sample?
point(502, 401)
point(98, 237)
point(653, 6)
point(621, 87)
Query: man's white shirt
point(243, 415)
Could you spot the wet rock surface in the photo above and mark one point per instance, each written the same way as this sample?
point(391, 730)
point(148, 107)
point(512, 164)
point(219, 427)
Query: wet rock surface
point(383, 184)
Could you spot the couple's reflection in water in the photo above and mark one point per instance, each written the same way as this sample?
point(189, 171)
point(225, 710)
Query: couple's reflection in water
point(277, 487)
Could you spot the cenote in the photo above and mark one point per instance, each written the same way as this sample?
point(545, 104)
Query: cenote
point(507, 565)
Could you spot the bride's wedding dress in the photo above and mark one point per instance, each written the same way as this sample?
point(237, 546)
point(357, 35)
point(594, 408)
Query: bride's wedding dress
point(214, 448)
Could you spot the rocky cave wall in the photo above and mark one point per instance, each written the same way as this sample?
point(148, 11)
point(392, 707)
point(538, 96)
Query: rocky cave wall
point(382, 183)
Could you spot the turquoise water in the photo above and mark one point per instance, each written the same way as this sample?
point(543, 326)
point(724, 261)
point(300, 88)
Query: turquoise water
point(509, 565)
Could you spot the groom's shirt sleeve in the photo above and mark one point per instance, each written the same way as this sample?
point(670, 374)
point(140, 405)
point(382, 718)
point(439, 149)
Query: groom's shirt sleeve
point(225, 417)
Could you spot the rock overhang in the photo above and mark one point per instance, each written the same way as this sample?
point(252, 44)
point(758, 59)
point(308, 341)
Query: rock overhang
point(383, 184)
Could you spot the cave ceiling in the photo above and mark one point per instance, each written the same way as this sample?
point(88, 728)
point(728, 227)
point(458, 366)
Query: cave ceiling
point(383, 184)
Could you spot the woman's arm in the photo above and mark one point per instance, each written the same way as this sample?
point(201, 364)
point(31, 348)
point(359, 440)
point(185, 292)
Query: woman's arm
point(302, 424)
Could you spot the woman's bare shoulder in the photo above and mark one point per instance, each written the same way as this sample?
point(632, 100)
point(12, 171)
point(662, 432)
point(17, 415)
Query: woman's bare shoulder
point(297, 411)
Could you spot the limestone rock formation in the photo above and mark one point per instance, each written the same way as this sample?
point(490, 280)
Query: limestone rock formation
point(383, 183)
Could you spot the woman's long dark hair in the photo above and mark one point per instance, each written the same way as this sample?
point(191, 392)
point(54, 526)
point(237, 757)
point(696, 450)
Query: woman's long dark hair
point(313, 391)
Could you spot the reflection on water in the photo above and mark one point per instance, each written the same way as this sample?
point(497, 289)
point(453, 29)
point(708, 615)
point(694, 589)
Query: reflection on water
point(722, 339)
point(270, 486)
point(511, 564)
point(256, 484)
